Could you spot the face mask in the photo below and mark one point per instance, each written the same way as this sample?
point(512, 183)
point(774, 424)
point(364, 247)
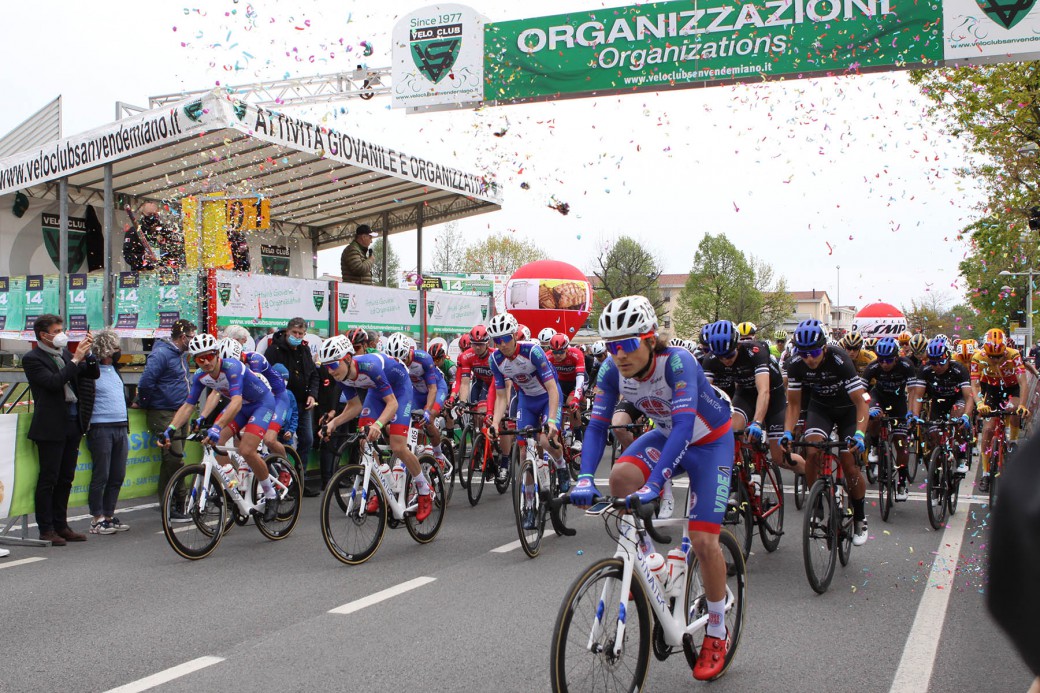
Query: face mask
point(294, 341)
point(60, 340)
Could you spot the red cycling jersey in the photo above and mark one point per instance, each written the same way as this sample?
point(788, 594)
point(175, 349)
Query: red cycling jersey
point(569, 365)
point(476, 368)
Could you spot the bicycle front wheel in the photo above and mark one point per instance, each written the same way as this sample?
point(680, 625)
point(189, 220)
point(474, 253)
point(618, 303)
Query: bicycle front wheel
point(819, 538)
point(467, 447)
point(424, 532)
point(290, 493)
point(205, 505)
point(771, 522)
point(449, 479)
point(913, 460)
point(800, 490)
point(529, 515)
point(936, 489)
point(593, 610)
point(886, 479)
point(736, 582)
point(351, 533)
point(846, 526)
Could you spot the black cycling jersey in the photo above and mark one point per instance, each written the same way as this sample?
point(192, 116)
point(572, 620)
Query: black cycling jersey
point(946, 385)
point(831, 383)
point(752, 358)
point(892, 383)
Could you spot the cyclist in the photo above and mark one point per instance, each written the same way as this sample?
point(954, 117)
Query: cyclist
point(523, 333)
point(538, 392)
point(837, 397)
point(747, 331)
point(474, 380)
point(249, 411)
point(779, 344)
point(891, 377)
point(387, 404)
point(870, 344)
point(232, 349)
point(998, 376)
point(964, 351)
point(852, 343)
point(759, 400)
point(917, 349)
point(439, 354)
point(598, 351)
point(545, 336)
point(947, 386)
point(569, 364)
point(904, 342)
point(692, 430)
point(428, 389)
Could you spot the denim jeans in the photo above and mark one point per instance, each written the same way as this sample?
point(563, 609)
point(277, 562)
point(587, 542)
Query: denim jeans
point(109, 447)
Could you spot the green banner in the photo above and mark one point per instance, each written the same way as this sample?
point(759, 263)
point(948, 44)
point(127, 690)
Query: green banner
point(85, 302)
point(667, 45)
point(12, 306)
point(148, 303)
point(41, 296)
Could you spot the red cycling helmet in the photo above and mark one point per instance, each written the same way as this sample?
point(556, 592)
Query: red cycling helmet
point(479, 334)
point(357, 336)
point(437, 350)
point(463, 342)
point(559, 342)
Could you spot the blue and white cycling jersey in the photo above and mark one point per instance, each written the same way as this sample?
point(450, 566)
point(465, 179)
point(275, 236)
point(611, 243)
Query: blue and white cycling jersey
point(233, 380)
point(529, 369)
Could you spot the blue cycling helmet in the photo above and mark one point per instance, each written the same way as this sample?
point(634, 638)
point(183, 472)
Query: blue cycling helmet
point(703, 337)
point(281, 370)
point(937, 349)
point(722, 337)
point(886, 348)
point(809, 335)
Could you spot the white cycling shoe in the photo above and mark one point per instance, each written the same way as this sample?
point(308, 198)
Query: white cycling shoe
point(859, 536)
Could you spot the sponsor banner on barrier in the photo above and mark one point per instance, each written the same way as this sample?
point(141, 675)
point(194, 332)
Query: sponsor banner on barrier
point(454, 312)
point(262, 300)
point(664, 45)
point(377, 308)
point(85, 302)
point(438, 57)
point(146, 304)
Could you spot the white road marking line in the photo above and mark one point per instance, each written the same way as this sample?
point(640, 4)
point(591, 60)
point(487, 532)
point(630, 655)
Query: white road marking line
point(21, 561)
point(915, 666)
point(382, 595)
point(167, 675)
point(514, 545)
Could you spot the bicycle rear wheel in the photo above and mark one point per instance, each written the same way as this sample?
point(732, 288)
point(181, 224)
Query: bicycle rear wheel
point(913, 459)
point(953, 488)
point(467, 447)
point(845, 523)
point(592, 604)
point(290, 493)
point(204, 503)
point(819, 538)
point(996, 466)
point(351, 533)
point(886, 480)
point(449, 479)
point(696, 603)
point(771, 524)
point(424, 532)
point(739, 516)
point(935, 494)
point(475, 471)
point(529, 509)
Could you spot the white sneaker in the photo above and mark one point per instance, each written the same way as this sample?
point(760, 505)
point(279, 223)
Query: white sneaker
point(667, 508)
point(4, 553)
point(872, 456)
point(962, 468)
point(859, 536)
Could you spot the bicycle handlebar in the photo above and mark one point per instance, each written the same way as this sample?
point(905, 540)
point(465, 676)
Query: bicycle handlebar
point(998, 414)
point(643, 512)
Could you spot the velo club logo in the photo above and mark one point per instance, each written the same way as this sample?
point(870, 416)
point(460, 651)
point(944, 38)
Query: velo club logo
point(1006, 14)
point(435, 49)
point(319, 299)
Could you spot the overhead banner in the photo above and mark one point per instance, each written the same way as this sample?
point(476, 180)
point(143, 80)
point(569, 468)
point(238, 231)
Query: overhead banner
point(438, 57)
point(146, 304)
point(377, 308)
point(263, 300)
point(454, 312)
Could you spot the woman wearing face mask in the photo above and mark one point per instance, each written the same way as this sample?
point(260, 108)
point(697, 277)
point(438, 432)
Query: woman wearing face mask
point(62, 385)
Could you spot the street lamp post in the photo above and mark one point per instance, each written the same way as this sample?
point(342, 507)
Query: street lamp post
point(838, 297)
point(1029, 297)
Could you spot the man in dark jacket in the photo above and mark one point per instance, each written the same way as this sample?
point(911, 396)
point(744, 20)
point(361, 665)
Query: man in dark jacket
point(161, 392)
point(289, 347)
point(356, 262)
point(63, 389)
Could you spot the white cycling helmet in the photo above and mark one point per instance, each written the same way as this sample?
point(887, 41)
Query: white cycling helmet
point(398, 346)
point(628, 316)
point(677, 342)
point(598, 348)
point(201, 343)
point(334, 349)
point(230, 349)
point(501, 325)
point(546, 335)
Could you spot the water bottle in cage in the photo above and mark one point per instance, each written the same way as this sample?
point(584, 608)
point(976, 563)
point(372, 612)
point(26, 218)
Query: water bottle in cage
point(227, 472)
point(542, 464)
point(398, 474)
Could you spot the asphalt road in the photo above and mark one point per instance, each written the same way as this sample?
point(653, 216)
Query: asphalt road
point(120, 609)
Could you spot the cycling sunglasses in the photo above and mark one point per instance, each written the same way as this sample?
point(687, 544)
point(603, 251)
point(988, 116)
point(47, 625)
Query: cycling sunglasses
point(559, 352)
point(940, 363)
point(886, 359)
point(504, 339)
point(627, 345)
point(334, 363)
point(206, 357)
point(810, 353)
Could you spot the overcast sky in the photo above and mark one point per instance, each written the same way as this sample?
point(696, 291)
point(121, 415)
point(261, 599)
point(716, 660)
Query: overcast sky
point(808, 174)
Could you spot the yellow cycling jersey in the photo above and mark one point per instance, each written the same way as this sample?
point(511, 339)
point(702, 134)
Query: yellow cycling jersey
point(863, 359)
point(964, 361)
point(1004, 370)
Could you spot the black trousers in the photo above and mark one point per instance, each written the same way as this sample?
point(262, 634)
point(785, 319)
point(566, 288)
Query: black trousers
point(57, 469)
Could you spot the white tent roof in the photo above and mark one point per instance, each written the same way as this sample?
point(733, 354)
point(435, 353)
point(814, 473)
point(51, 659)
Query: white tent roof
point(317, 179)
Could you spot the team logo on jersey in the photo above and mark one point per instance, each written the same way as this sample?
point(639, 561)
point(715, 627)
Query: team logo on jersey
point(654, 407)
point(365, 412)
point(676, 363)
point(667, 474)
point(693, 501)
point(654, 454)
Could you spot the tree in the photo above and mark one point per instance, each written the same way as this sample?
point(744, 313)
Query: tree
point(777, 302)
point(449, 249)
point(720, 283)
point(501, 254)
point(393, 264)
point(933, 314)
point(626, 268)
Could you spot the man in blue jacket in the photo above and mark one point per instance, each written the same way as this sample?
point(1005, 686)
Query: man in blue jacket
point(161, 391)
